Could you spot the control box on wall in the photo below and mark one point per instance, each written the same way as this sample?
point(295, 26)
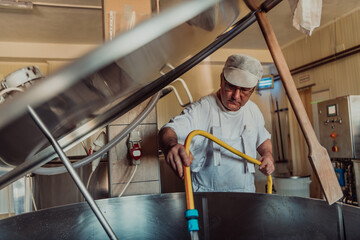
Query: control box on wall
point(339, 126)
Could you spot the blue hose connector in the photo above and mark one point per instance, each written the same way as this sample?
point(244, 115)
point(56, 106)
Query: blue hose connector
point(192, 216)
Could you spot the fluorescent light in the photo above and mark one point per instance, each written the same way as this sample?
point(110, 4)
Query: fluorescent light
point(16, 4)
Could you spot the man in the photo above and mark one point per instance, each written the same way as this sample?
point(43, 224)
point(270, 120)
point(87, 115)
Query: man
point(230, 116)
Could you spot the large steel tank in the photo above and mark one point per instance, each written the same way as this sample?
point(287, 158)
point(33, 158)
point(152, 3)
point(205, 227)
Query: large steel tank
point(221, 216)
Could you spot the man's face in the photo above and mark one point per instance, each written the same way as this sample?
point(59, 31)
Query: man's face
point(233, 97)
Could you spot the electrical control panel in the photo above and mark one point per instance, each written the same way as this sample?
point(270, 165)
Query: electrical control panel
point(339, 126)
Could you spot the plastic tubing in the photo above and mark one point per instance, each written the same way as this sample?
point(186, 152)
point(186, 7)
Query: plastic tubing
point(177, 95)
point(187, 177)
point(10, 89)
point(105, 148)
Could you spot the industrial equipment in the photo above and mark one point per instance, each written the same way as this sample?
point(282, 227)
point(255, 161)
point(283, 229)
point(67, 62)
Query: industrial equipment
point(221, 216)
point(54, 115)
point(51, 117)
point(339, 128)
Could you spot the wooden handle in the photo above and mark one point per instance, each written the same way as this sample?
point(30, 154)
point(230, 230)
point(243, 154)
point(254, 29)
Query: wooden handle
point(318, 155)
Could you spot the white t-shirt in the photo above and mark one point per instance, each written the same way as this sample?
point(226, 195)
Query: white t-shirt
point(214, 168)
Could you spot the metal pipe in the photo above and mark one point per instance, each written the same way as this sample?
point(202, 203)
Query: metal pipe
point(73, 173)
point(66, 5)
point(268, 5)
point(20, 5)
point(325, 60)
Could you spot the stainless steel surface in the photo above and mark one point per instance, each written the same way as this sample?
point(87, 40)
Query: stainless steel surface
point(341, 226)
point(57, 190)
point(49, 190)
point(4, 168)
point(344, 122)
point(73, 174)
point(80, 98)
point(354, 102)
point(221, 216)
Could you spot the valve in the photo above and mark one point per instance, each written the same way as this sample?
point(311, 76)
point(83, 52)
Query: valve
point(135, 147)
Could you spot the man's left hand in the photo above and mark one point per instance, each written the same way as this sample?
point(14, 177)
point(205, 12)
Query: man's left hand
point(267, 164)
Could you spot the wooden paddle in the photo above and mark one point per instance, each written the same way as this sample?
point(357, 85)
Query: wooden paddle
point(318, 156)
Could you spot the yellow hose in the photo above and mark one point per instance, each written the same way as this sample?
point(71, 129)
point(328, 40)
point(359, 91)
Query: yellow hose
point(187, 177)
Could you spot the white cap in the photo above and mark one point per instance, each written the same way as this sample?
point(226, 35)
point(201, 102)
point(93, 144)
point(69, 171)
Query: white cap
point(243, 70)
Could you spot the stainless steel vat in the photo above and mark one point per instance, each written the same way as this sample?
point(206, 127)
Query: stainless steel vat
point(222, 216)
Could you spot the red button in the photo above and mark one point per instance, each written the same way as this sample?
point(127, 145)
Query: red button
point(333, 135)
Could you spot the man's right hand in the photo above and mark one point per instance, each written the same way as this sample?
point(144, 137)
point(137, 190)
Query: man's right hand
point(175, 153)
point(177, 157)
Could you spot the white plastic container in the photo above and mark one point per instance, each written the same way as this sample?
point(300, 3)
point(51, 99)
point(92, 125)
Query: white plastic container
point(292, 185)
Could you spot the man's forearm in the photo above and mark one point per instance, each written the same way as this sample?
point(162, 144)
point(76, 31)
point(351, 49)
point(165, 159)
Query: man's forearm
point(167, 139)
point(175, 154)
point(265, 148)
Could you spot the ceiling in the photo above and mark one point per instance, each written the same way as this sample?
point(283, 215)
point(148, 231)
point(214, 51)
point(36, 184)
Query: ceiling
point(57, 23)
point(280, 18)
point(69, 25)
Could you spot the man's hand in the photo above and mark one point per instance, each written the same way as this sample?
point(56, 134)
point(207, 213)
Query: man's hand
point(175, 153)
point(177, 157)
point(267, 164)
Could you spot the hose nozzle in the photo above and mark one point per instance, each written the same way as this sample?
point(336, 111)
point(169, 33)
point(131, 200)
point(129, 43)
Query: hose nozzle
point(192, 216)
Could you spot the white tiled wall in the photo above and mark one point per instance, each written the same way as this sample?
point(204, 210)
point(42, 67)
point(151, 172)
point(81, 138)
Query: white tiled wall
point(147, 177)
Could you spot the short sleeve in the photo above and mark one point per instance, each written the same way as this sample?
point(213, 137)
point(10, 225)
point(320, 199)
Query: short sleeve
point(262, 133)
point(187, 121)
